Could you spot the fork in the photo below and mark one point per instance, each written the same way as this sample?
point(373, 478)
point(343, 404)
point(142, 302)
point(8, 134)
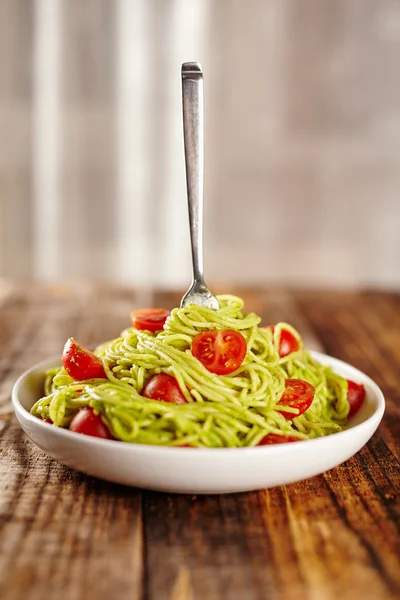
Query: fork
point(193, 133)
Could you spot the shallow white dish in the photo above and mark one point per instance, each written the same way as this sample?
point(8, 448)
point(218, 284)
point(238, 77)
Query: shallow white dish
point(198, 470)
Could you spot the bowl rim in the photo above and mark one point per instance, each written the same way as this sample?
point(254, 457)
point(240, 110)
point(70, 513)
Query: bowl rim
point(374, 418)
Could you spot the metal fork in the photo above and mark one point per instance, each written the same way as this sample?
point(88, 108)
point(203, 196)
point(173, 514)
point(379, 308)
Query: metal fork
point(193, 133)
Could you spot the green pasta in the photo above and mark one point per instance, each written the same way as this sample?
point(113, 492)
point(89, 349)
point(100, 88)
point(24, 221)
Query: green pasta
point(234, 410)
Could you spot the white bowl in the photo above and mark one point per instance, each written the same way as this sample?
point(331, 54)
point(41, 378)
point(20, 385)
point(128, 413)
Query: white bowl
point(199, 470)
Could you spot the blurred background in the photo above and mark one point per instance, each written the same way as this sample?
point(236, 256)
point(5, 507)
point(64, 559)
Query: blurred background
point(302, 140)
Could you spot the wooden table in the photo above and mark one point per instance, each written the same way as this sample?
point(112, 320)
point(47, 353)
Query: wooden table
point(71, 537)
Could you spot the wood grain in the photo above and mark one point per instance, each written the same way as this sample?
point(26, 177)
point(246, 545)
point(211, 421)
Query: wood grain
point(61, 530)
point(67, 536)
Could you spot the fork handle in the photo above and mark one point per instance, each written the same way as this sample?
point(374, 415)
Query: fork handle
point(193, 133)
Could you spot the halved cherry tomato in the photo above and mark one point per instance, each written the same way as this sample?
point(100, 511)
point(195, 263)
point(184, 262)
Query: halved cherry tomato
point(80, 363)
point(87, 422)
point(221, 352)
point(163, 387)
point(297, 394)
point(273, 438)
point(355, 396)
point(287, 342)
point(149, 319)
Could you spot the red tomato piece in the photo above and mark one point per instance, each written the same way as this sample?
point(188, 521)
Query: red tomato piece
point(221, 352)
point(87, 422)
point(355, 396)
point(149, 319)
point(287, 342)
point(297, 394)
point(163, 387)
point(273, 438)
point(80, 363)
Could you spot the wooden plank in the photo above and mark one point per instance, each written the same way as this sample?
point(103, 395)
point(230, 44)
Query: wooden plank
point(63, 532)
point(362, 329)
point(331, 536)
point(206, 537)
point(293, 542)
point(60, 530)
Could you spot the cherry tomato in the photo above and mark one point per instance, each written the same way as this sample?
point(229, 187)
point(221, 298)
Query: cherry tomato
point(149, 319)
point(87, 422)
point(297, 394)
point(287, 342)
point(221, 352)
point(163, 387)
point(80, 363)
point(355, 396)
point(273, 438)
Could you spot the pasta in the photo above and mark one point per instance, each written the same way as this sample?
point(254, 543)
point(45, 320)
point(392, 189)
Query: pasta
point(236, 409)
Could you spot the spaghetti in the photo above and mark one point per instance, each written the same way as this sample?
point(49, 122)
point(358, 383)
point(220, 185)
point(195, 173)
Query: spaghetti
point(232, 410)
